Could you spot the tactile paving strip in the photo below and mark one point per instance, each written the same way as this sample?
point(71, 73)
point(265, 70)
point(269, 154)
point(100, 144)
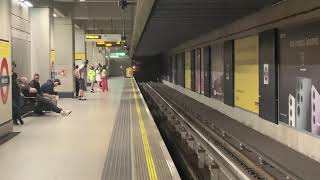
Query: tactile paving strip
point(129, 154)
point(118, 162)
point(163, 163)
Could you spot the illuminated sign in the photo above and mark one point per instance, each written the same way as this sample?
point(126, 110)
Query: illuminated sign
point(106, 44)
point(93, 36)
point(101, 43)
point(118, 55)
point(103, 37)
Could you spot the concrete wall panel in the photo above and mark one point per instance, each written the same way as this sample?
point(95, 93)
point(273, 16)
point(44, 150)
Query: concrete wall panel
point(40, 42)
point(5, 56)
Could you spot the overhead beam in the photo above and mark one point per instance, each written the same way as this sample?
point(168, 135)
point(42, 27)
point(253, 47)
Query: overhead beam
point(143, 11)
point(115, 18)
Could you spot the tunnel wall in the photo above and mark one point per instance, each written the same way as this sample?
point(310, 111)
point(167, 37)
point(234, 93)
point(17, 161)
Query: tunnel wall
point(151, 68)
point(266, 25)
point(117, 67)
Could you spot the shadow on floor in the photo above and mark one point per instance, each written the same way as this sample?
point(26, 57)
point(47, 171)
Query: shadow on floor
point(8, 137)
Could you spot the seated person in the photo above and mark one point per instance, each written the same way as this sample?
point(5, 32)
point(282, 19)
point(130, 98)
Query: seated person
point(35, 82)
point(43, 103)
point(48, 87)
point(47, 90)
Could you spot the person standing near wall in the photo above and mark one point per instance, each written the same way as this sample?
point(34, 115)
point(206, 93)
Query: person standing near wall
point(82, 75)
point(104, 78)
point(76, 79)
point(16, 91)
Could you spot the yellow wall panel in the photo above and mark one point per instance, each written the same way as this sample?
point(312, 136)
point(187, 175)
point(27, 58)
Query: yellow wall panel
point(188, 70)
point(79, 56)
point(247, 73)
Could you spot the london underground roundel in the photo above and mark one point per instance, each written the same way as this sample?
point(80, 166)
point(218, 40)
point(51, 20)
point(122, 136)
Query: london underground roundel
point(4, 80)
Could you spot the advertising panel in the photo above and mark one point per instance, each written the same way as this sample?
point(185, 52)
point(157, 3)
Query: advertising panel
point(193, 73)
point(299, 100)
point(198, 70)
point(169, 70)
point(173, 70)
point(217, 72)
point(52, 56)
point(202, 71)
point(188, 70)
point(268, 76)
point(207, 67)
point(5, 88)
point(79, 56)
point(228, 82)
point(247, 73)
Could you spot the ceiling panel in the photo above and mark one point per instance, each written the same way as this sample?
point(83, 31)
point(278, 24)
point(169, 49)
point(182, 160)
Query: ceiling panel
point(175, 21)
point(98, 16)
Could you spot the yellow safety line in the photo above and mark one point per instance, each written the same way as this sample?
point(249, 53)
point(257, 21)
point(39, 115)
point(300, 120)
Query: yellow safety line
point(151, 167)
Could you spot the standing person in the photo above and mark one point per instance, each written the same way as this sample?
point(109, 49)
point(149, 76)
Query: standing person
point(76, 78)
point(35, 82)
point(16, 114)
point(104, 78)
point(92, 77)
point(98, 75)
point(82, 84)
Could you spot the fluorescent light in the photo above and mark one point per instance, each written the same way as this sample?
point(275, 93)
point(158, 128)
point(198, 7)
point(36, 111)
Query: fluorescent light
point(82, 0)
point(28, 3)
point(54, 15)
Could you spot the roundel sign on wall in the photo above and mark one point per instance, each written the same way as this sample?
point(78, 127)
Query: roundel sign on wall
point(4, 81)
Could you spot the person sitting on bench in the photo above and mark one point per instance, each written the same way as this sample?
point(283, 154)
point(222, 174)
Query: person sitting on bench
point(43, 103)
point(47, 90)
point(35, 82)
point(48, 87)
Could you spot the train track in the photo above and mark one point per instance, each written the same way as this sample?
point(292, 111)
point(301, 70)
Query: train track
point(215, 147)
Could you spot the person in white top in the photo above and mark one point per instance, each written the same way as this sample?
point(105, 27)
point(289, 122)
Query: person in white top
point(81, 71)
point(98, 75)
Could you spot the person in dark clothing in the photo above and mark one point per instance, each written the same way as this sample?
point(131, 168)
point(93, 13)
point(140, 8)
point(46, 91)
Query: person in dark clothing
point(16, 114)
point(48, 87)
point(43, 103)
point(35, 82)
point(82, 72)
point(76, 78)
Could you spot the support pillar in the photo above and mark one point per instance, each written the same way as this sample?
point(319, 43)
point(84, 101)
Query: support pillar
point(64, 51)
point(80, 49)
point(5, 68)
point(41, 23)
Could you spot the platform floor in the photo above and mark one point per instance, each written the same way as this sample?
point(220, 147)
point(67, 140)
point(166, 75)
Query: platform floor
point(136, 150)
point(53, 147)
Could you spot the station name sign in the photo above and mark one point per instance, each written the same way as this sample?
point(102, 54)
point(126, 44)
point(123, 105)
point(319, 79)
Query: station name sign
point(103, 37)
